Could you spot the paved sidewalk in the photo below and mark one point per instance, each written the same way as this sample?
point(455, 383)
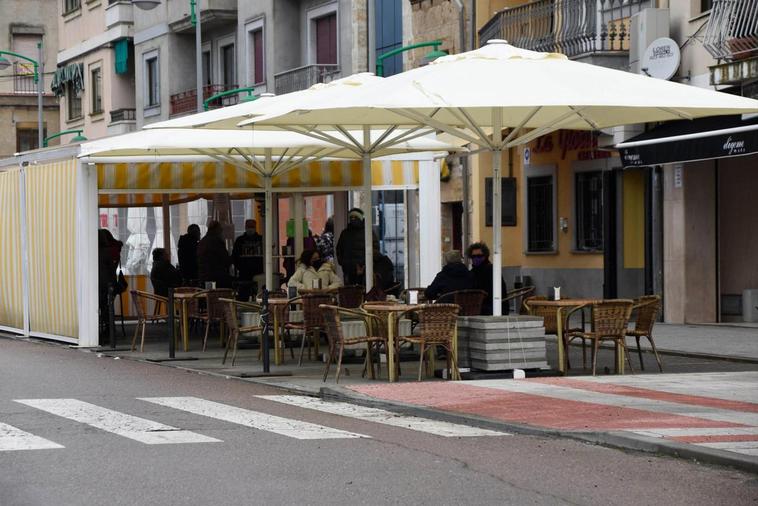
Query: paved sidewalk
point(709, 416)
point(726, 341)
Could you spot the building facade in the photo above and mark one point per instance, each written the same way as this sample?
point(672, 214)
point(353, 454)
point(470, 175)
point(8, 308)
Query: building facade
point(23, 25)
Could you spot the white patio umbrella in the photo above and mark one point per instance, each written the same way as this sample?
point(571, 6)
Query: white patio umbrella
point(266, 153)
point(475, 95)
point(365, 142)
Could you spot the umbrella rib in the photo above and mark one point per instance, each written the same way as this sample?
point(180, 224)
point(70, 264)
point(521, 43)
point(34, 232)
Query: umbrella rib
point(381, 138)
point(297, 160)
point(676, 112)
point(320, 135)
point(517, 129)
point(439, 125)
point(407, 136)
point(537, 132)
point(352, 139)
point(468, 119)
point(230, 160)
point(578, 112)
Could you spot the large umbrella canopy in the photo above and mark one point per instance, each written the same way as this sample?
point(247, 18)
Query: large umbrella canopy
point(475, 95)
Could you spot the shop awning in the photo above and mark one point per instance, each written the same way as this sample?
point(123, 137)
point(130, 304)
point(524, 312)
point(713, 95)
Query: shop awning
point(687, 141)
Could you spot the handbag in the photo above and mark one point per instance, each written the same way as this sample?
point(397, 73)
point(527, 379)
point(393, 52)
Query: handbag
point(121, 283)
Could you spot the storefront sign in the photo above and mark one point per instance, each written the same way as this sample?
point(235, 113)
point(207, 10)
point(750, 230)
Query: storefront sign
point(583, 142)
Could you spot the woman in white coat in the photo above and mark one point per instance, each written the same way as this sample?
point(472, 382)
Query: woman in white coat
point(312, 272)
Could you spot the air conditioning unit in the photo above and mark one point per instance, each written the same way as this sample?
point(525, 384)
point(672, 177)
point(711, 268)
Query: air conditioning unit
point(646, 26)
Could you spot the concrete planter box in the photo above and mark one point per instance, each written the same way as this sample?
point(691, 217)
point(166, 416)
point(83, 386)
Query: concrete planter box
point(501, 343)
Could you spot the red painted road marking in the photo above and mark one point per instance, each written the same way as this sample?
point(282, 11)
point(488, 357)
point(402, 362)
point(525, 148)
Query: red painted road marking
point(539, 410)
point(645, 393)
point(715, 439)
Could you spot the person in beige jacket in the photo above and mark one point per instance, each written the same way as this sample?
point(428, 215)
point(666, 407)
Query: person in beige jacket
point(311, 269)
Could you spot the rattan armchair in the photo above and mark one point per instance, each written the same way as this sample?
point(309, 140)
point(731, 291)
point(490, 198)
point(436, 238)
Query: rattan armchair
point(313, 321)
point(351, 296)
point(140, 300)
point(436, 327)
point(609, 322)
point(338, 341)
point(469, 301)
point(231, 317)
point(549, 315)
point(522, 294)
point(214, 309)
point(647, 308)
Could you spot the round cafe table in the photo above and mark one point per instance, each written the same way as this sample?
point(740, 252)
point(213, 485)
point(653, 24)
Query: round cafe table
point(390, 310)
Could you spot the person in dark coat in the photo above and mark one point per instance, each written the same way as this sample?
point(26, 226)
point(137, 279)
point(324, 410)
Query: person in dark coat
point(188, 253)
point(247, 255)
point(481, 275)
point(454, 276)
point(351, 248)
point(164, 275)
point(213, 259)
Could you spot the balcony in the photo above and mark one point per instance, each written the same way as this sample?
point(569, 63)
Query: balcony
point(185, 102)
point(125, 114)
point(572, 27)
point(304, 77)
point(119, 12)
point(732, 30)
point(123, 121)
point(23, 79)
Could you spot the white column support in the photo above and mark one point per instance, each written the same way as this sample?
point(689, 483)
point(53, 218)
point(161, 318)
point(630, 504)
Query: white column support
point(24, 252)
point(430, 221)
point(368, 236)
point(268, 230)
point(298, 213)
point(166, 207)
point(497, 203)
point(86, 253)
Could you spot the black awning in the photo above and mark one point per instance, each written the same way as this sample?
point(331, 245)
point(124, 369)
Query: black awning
point(686, 141)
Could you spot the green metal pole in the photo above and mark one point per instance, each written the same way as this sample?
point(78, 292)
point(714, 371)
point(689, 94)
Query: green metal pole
point(380, 59)
point(77, 131)
point(248, 98)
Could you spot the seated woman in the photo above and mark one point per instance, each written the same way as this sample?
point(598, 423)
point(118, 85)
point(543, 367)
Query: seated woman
point(311, 269)
point(164, 275)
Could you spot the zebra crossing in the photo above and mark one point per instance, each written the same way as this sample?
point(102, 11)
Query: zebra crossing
point(151, 432)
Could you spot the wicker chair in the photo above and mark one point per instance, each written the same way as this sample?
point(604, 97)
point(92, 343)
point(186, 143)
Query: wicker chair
point(609, 322)
point(231, 317)
point(313, 321)
point(140, 300)
point(470, 301)
point(351, 296)
point(436, 327)
point(549, 315)
point(214, 309)
point(522, 294)
point(338, 341)
point(647, 308)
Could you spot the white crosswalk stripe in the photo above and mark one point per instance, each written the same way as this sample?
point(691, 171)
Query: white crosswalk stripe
point(261, 421)
point(436, 427)
point(12, 438)
point(132, 427)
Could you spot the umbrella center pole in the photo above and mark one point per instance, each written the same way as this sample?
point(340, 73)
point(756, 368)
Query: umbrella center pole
point(497, 205)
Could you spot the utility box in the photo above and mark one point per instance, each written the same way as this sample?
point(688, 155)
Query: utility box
point(646, 26)
point(750, 305)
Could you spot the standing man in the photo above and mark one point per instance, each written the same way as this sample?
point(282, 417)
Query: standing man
point(247, 256)
point(481, 275)
point(351, 250)
point(212, 257)
point(188, 254)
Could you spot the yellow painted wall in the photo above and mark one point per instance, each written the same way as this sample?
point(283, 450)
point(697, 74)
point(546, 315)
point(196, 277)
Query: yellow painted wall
point(634, 219)
point(513, 237)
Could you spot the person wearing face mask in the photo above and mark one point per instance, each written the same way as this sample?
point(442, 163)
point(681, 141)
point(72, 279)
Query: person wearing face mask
point(247, 256)
point(481, 275)
point(312, 272)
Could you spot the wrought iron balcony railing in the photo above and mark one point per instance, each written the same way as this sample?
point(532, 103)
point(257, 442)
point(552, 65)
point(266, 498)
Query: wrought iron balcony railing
point(124, 114)
point(571, 27)
point(304, 77)
point(732, 31)
point(23, 78)
point(185, 102)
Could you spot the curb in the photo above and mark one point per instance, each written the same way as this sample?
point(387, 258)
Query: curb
point(615, 439)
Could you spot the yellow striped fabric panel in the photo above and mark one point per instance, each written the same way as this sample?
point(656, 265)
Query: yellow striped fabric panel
point(11, 283)
point(51, 226)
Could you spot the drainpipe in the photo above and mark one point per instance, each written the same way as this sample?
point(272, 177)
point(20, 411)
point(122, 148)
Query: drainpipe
point(472, 24)
point(461, 24)
point(370, 36)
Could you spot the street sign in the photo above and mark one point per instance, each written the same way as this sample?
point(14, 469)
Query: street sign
point(527, 156)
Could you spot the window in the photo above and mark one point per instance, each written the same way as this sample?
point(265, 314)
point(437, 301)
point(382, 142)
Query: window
point(71, 5)
point(326, 39)
point(74, 102)
point(706, 5)
point(23, 71)
point(255, 53)
point(589, 210)
point(26, 139)
point(152, 80)
point(228, 74)
point(540, 214)
point(96, 85)
point(206, 68)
